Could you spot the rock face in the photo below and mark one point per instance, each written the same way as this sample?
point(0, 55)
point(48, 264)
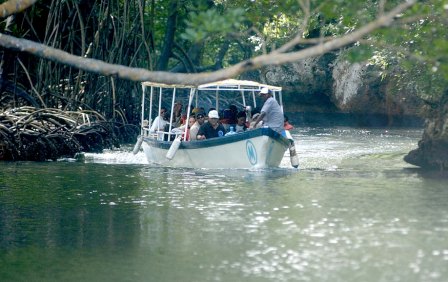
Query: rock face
point(307, 84)
point(360, 88)
point(328, 83)
point(432, 151)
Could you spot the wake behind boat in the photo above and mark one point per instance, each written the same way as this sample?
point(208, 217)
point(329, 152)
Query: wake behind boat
point(255, 148)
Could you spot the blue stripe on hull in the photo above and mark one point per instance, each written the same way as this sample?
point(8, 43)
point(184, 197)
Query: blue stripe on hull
point(220, 140)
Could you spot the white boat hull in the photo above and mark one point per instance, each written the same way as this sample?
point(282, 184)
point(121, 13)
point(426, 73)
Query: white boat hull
point(260, 148)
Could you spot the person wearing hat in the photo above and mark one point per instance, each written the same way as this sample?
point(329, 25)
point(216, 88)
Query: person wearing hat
point(194, 129)
point(212, 128)
point(271, 113)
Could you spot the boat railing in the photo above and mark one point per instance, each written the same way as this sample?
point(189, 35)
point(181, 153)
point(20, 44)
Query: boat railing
point(161, 135)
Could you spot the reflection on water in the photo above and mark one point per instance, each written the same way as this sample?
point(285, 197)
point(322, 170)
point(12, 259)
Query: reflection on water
point(354, 211)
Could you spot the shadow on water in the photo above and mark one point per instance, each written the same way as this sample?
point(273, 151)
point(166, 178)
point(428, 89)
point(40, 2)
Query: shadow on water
point(54, 204)
point(428, 174)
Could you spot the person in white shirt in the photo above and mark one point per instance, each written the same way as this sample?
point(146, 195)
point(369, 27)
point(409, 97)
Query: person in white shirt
point(159, 123)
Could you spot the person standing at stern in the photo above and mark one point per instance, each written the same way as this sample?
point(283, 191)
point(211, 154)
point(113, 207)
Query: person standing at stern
point(271, 113)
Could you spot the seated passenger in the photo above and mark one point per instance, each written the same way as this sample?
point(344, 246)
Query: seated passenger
point(181, 129)
point(234, 117)
point(177, 116)
point(228, 119)
point(254, 118)
point(212, 128)
point(159, 123)
point(287, 125)
point(200, 119)
point(241, 122)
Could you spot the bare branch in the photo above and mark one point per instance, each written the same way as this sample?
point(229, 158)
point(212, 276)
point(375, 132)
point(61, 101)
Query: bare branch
point(139, 74)
point(14, 6)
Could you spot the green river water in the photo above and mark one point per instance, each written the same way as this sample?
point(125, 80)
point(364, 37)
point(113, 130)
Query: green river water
point(353, 211)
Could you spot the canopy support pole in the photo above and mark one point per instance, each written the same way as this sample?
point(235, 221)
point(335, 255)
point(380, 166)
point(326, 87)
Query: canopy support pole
point(172, 112)
point(143, 109)
point(190, 100)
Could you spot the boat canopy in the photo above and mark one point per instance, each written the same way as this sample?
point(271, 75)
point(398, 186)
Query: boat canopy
point(228, 84)
point(244, 87)
point(235, 84)
point(162, 85)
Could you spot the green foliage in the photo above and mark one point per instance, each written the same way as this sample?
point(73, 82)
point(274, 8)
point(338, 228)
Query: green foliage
point(413, 52)
point(204, 24)
point(359, 53)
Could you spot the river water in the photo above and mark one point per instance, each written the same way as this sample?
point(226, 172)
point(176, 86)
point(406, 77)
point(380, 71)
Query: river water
point(353, 211)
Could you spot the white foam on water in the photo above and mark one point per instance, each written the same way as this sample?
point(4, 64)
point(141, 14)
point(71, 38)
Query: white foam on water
point(116, 157)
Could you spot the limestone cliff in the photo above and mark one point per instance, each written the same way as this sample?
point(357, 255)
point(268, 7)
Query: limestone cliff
point(329, 83)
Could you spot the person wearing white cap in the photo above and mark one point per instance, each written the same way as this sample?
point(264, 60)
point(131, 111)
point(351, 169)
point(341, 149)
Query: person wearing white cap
point(271, 113)
point(212, 128)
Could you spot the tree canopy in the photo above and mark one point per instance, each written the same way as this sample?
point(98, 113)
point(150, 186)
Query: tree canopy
point(193, 42)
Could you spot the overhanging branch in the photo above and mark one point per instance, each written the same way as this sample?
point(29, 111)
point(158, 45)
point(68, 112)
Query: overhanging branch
point(139, 74)
point(13, 7)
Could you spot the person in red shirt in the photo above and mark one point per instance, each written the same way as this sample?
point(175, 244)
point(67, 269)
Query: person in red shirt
point(287, 125)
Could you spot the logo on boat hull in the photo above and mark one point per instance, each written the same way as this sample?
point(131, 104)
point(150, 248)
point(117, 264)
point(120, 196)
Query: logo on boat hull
point(251, 152)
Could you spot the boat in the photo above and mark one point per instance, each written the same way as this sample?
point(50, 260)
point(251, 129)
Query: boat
point(252, 149)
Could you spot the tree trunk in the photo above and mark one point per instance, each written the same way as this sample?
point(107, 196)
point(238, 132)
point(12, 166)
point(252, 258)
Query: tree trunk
point(169, 36)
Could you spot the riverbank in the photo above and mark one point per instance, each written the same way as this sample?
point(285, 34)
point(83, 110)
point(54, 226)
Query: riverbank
point(30, 134)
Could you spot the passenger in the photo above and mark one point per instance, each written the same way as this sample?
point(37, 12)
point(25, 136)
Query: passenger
point(184, 115)
point(177, 114)
point(181, 129)
point(227, 119)
point(287, 125)
point(159, 123)
point(241, 122)
point(212, 128)
point(271, 113)
point(200, 119)
point(234, 110)
point(209, 110)
point(254, 118)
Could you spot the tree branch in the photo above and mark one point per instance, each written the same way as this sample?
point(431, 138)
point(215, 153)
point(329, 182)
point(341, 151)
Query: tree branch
point(139, 74)
point(14, 6)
